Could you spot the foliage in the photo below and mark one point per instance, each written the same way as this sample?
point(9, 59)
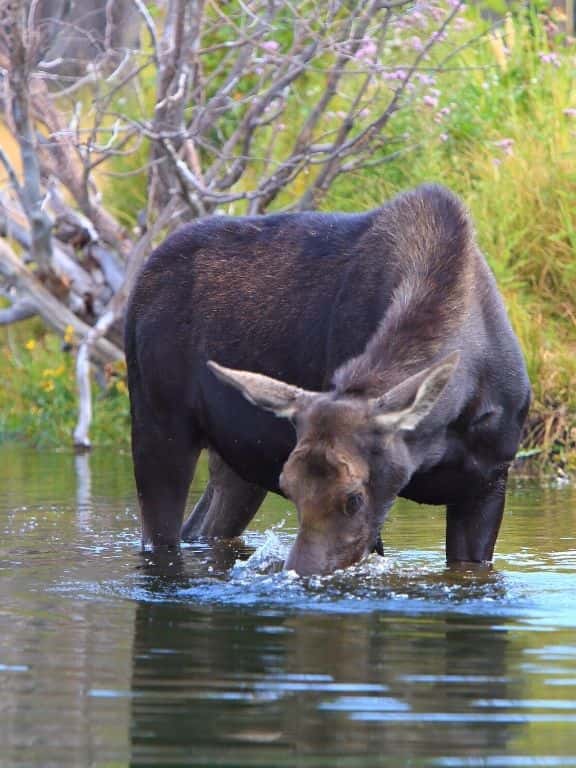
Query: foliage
point(38, 396)
point(494, 120)
point(501, 133)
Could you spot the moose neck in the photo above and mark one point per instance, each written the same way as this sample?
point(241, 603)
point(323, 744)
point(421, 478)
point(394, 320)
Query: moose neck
point(431, 254)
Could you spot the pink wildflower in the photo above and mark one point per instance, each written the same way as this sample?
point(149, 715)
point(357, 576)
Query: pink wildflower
point(437, 13)
point(570, 112)
point(426, 79)
point(550, 58)
point(460, 23)
point(367, 50)
point(270, 46)
point(507, 145)
point(430, 101)
point(395, 74)
point(441, 114)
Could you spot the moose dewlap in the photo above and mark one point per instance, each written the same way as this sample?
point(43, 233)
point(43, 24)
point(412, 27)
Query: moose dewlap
point(340, 360)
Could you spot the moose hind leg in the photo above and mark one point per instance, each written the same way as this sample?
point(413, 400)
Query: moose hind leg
point(472, 525)
point(164, 462)
point(227, 506)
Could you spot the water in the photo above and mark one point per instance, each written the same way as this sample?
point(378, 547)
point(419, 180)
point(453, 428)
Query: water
point(108, 658)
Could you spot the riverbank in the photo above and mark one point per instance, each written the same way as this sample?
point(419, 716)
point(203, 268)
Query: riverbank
point(497, 124)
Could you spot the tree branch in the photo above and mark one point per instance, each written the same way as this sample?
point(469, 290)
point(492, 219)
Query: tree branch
point(53, 313)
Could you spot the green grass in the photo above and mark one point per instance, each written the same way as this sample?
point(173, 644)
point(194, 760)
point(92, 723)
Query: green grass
point(38, 393)
point(505, 143)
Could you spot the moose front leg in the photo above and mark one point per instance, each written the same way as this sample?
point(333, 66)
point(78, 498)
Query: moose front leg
point(472, 524)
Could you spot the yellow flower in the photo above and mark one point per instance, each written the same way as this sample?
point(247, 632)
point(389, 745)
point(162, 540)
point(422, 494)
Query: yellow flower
point(47, 386)
point(69, 334)
point(30, 344)
point(121, 387)
point(53, 372)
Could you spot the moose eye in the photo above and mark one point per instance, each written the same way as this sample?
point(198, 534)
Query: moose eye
point(354, 502)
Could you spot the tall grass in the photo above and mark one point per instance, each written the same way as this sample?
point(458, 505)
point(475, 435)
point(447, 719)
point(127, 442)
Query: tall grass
point(498, 126)
point(503, 137)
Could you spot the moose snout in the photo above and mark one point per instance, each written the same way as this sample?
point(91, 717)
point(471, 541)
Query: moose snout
point(307, 558)
point(315, 555)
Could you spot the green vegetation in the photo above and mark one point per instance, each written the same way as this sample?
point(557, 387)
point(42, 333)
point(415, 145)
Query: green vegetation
point(38, 394)
point(501, 134)
point(498, 126)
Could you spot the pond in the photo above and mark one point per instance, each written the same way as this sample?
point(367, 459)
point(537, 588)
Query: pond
point(217, 658)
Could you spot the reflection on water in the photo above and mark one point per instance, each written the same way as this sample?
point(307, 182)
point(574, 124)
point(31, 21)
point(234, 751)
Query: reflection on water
point(216, 657)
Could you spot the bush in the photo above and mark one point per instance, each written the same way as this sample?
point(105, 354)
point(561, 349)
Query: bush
point(38, 397)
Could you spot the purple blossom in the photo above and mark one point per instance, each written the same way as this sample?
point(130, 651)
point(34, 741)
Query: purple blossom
point(395, 74)
point(270, 46)
point(570, 112)
point(506, 145)
point(415, 43)
point(415, 19)
point(437, 37)
point(549, 58)
point(367, 50)
point(461, 23)
point(430, 101)
point(444, 137)
point(441, 114)
point(437, 13)
point(426, 79)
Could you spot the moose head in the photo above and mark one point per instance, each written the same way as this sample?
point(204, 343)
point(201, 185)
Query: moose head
point(353, 455)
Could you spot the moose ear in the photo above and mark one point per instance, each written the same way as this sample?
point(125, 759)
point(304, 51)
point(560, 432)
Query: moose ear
point(263, 391)
point(424, 390)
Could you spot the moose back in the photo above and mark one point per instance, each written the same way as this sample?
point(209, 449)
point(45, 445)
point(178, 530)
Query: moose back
point(340, 360)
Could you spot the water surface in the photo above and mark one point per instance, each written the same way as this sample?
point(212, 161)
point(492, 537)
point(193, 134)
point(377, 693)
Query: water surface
point(217, 658)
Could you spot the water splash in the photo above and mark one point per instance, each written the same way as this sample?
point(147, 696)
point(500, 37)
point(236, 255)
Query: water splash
point(268, 557)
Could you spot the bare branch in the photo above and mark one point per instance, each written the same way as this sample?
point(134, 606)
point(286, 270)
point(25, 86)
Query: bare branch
point(53, 313)
point(22, 309)
point(149, 22)
point(30, 191)
point(13, 178)
point(94, 336)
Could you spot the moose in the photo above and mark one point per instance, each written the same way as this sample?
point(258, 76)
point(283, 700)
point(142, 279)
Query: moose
point(340, 360)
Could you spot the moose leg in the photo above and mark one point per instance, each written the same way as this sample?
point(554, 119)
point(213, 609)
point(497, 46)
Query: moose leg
point(195, 518)
point(472, 525)
point(227, 505)
point(164, 462)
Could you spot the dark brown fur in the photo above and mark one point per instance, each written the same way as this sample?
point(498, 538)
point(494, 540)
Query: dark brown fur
point(432, 255)
point(382, 335)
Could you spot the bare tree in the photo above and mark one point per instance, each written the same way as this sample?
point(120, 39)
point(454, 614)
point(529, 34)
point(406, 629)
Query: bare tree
point(258, 104)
